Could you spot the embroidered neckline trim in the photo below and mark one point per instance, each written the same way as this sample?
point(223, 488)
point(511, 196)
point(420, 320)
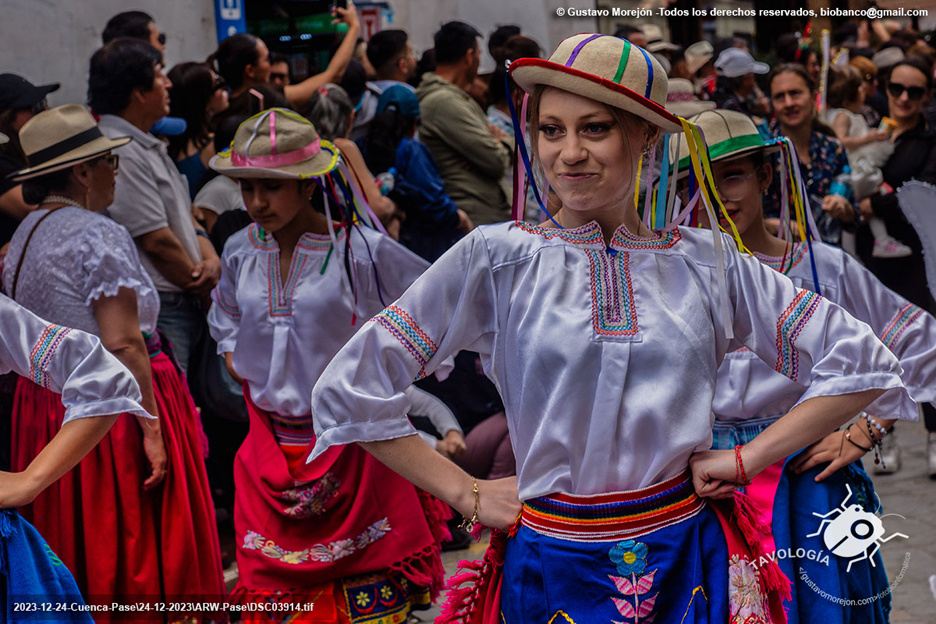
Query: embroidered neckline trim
point(307, 242)
point(589, 235)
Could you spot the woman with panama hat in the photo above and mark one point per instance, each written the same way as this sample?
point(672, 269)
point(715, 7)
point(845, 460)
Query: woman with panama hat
point(603, 338)
point(145, 487)
point(751, 395)
point(344, 531)
point(72, 365)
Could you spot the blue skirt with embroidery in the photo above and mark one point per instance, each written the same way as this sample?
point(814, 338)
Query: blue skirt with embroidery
point(37, 587)
point(823, 582)
point(683, 577)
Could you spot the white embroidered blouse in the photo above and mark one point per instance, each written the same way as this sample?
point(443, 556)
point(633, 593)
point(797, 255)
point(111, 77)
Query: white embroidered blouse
point(283, 332)
point(75, 257)
point(747, 388)
point(67, 361)
point(605, 357)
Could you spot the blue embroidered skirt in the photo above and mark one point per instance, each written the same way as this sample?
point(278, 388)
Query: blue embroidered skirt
point(657, 554)
point(37, 587)
point(796, 498)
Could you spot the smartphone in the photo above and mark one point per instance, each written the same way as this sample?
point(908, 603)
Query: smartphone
point(341, 4)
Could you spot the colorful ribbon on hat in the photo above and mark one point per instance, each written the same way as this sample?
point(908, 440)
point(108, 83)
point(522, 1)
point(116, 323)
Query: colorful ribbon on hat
point(793, 194)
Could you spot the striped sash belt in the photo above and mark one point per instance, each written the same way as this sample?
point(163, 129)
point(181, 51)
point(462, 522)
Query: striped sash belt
point(615, 516)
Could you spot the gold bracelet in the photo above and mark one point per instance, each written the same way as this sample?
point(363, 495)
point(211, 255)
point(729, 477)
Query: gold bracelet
point(468, 524)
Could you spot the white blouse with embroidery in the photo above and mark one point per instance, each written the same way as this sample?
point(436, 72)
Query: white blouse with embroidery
point(75, 257)
point(283, 332)
point(67, 361)
point(605, 357)
point(747, 388)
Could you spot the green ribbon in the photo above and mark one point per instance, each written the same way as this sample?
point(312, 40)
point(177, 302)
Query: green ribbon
point(729, 146)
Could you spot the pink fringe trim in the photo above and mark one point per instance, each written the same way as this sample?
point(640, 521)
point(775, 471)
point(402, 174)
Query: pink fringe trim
point(423, 569)
point(478, 585)
point(751, 523)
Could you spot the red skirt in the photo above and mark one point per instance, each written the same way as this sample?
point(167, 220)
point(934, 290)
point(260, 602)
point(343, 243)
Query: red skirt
point(123, 544)
point(344, 532)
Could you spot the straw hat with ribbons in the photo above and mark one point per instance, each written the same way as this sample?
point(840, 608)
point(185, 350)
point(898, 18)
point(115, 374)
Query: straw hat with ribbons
point(607, 69)
point(277, 143)
point(61, 137)
point(613, 71)
point(728, 134)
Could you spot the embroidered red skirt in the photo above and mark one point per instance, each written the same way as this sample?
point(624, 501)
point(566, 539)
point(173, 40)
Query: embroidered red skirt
point(123, 544)
point(344, 532)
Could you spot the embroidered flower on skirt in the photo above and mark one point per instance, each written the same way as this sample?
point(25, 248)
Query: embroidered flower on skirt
point(744, 594)
point(631, 560)
point(630, 557)
point(311, 499)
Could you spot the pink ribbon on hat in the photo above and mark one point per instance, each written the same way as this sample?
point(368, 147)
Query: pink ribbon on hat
point(278, 160)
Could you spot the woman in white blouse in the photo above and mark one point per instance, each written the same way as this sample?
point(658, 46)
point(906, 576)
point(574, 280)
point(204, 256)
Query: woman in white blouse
point(604, 339)
point(145, 487)
point(344, 532)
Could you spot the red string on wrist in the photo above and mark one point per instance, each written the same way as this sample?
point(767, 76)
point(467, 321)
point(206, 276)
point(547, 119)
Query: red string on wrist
point(740, 475)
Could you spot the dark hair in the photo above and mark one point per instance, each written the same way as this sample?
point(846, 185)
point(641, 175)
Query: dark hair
point(354, 81)
point(797, 69)
point(128, 24)
point(426, 63)
point(453, 41)
point(499, 37)
point(233, 56)
point(117, 70)
point(515, 48)
point(11, 148)
point(384, 134)
point(278, 57)
point(246, 104)
point(192, 88)
point(35, 190)
point(816, 123)
point(624, 31)
point(727, 83)
point(329, 108)
point(918, 63)
point(385, 48)
point(844, 84)
point(227, 128)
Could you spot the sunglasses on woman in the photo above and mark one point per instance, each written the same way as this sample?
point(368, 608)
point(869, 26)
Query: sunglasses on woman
point(914, 93)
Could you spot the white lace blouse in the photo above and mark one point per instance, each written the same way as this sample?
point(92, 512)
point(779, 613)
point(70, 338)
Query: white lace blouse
point(606, 358)
point(73, 363)
point(75, 257)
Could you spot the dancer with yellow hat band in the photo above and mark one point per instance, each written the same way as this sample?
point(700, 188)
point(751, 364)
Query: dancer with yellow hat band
point(750, 395)
point(343, 532)
point(603, 338)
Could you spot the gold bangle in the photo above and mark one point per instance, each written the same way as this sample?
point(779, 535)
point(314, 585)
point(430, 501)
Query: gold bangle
point(468, 524)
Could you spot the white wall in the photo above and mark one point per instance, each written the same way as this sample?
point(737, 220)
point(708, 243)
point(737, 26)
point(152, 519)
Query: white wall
point(52, 40)
point(422, 18)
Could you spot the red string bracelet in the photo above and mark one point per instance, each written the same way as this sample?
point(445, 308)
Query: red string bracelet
point(739, 468)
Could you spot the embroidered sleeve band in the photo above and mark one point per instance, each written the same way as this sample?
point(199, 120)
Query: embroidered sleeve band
point(405, 329)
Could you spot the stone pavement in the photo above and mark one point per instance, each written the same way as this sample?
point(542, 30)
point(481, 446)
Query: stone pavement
point(909, 493)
